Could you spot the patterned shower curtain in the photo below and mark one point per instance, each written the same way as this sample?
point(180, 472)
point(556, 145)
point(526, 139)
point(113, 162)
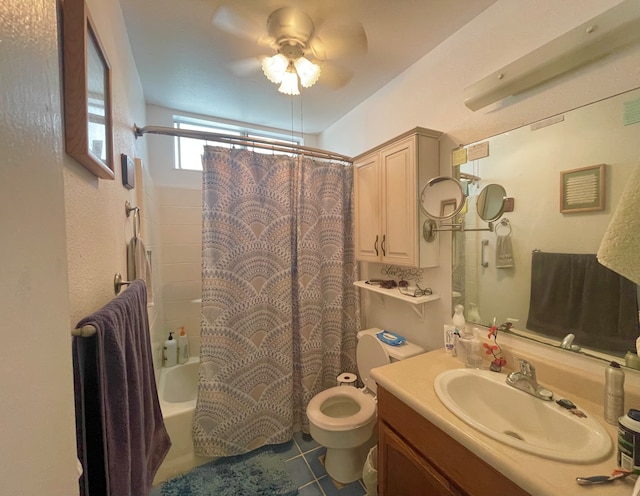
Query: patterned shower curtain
point(279, 309)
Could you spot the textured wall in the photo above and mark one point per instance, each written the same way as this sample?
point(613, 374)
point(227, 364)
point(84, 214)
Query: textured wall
point(64, 237)
point(37, 437)
point(97, 227)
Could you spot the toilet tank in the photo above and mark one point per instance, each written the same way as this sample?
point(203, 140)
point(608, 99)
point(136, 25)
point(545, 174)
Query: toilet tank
point(400, 352)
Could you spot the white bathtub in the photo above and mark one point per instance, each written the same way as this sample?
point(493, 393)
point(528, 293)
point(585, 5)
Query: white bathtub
point(177, 389)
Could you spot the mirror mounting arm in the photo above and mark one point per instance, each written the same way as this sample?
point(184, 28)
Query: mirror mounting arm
point(430, 228)
point(490, 228)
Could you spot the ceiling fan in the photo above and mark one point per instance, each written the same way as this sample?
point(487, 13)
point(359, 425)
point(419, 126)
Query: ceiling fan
point(304, 51)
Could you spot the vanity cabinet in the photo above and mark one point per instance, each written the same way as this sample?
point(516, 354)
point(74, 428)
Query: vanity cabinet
point(387, 184)
point(416, 457)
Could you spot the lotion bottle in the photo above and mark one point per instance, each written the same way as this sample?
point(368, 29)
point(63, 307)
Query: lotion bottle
point(613, 393)
point(183, 346)
point(170, 354)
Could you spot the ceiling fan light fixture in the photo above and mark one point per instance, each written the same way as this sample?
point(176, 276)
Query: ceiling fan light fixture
point(289, 84)
point(275, 67)
point(307, 71)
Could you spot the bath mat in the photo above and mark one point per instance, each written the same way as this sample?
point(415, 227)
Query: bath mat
point(259, 473)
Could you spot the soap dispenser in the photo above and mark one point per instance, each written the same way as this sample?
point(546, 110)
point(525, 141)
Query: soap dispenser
point(458, 319)
point(474, 314)
point(170, 354)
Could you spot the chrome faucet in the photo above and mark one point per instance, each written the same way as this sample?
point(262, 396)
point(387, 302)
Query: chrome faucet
point(525, 380)
point(567, 343)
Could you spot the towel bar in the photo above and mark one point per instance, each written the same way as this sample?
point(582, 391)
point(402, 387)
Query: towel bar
point(118, 283)
point(84, 331)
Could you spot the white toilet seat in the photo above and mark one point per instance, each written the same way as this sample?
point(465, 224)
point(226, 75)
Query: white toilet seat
point(365, 402)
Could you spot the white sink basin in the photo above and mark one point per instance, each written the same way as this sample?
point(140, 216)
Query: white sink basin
point(483, 400)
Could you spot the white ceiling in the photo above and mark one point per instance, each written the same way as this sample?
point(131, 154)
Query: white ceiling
point(187, 63)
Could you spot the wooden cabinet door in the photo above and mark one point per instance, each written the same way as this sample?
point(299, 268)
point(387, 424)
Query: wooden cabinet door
point(366, 189)
point(399, 243)
point(406, 472)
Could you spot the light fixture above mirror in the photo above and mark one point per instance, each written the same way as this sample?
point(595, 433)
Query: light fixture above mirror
point(603, 35)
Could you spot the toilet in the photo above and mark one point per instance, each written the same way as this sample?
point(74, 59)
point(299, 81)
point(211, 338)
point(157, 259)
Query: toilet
point(343, 418)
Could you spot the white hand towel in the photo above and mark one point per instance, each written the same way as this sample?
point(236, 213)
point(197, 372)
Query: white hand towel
point(138, 266)
point(504, 252)
point(620, 246)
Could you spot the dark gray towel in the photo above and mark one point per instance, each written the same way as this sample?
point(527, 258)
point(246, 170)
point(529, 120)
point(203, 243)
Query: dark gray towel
point(121, 435)
point(573, 293)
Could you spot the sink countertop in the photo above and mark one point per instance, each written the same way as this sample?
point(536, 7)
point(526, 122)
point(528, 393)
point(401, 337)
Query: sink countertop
point(412, 380)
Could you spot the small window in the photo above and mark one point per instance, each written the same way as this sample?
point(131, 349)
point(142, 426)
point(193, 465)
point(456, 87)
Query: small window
point(188, 151)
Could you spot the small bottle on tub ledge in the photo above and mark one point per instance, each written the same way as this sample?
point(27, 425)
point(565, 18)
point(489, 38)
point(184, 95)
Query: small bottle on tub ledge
point(183, 346)
point(170, 352)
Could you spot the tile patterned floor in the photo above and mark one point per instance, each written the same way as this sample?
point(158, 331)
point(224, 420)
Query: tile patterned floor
point(303, 460)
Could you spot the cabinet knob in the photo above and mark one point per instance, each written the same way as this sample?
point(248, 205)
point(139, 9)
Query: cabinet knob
point(384, 250)
point(375, 245)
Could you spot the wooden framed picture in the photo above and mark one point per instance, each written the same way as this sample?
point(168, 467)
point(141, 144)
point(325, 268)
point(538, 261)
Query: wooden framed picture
point(582, 190)
point(87, 92)
point(448, 207)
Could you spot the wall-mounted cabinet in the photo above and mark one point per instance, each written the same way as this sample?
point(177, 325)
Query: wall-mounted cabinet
point(387, 185)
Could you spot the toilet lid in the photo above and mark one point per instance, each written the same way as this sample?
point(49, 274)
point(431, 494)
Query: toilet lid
point(370, 353)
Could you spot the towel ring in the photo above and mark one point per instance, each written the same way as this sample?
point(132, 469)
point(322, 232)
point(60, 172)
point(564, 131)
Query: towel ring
point(136, 218)
point(505, 224)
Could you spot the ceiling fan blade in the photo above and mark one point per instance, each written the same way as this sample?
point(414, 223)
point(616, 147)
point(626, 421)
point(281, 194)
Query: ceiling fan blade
point(241, 23)
point(333, 75)
point(246, 67)
point(337, 38)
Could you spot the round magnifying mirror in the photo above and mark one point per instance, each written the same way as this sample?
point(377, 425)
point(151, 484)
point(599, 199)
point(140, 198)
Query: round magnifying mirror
point(490, 204)
point(442, 197)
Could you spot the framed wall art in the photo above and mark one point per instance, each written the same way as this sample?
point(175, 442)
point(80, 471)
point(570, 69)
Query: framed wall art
point(582, 190)
point(87, 92)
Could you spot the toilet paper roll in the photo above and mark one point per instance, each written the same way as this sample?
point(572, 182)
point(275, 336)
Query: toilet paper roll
point(347, 379)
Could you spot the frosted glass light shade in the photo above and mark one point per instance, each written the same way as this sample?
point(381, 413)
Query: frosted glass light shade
point(289, 84)
point(275, 67)
point(307, 71)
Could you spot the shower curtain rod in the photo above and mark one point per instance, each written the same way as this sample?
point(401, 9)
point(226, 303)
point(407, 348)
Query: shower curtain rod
point(242, 141)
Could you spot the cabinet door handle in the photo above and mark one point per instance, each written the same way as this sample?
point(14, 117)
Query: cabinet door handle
point(375, 245)
point(384, 250)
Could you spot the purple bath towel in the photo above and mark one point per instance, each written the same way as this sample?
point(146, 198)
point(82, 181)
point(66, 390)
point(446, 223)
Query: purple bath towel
point(122, 439)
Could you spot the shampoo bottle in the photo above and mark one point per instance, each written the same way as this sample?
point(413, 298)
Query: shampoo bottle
point(183, 346)
point(613, 393)
point(170, 351)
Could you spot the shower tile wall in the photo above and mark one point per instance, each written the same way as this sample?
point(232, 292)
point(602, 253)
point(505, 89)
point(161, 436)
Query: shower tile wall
point(147, 200)
point(180, 225)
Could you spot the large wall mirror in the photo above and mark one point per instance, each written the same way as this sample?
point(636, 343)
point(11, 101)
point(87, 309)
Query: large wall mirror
point(530, 163)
